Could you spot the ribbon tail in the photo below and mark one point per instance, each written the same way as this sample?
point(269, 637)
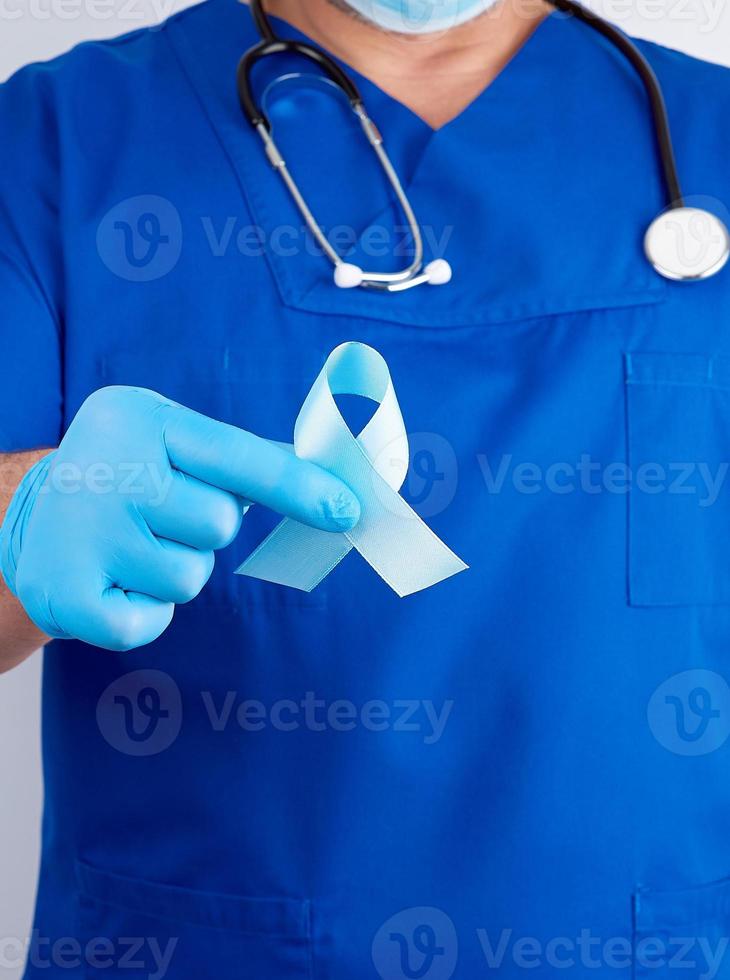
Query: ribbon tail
point(438, 564)
point(296, 555)
point(402, 548)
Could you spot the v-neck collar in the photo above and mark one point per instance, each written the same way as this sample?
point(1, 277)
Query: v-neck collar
point(451, 175)
point(374, 94)
point(405, 120)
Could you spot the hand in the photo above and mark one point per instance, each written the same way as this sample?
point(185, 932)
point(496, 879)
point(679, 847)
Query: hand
point(106, 535)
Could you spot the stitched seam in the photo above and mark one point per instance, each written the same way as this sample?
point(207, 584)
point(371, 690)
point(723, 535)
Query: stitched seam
point(182, 920)
point(657, 383)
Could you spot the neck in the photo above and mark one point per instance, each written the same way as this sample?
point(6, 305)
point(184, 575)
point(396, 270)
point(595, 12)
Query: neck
point(436, 75)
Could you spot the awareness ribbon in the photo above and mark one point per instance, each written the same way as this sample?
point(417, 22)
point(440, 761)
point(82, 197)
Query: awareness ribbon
point(390, 536)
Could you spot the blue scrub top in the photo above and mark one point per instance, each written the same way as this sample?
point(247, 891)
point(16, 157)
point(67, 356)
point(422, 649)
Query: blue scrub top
point(525, 767)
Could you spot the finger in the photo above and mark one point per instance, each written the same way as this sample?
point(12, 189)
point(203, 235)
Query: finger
point(248, 466)
point(102, 616)
point(194, 513)
point(125, 621)
point(88, 608)
point(166, 570)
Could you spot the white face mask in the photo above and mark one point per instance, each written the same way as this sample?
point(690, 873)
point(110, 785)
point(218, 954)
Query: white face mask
point(419, 16)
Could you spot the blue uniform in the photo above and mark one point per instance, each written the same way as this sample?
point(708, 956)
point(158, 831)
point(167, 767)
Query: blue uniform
point(523, 767)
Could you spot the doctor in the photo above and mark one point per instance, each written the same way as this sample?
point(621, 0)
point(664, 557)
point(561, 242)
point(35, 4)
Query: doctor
point(525, 766)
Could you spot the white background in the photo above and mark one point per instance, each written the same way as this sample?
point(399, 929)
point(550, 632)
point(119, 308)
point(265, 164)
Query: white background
point(32, 30)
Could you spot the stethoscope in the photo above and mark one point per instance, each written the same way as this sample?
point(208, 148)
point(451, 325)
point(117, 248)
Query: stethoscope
point(683, 243)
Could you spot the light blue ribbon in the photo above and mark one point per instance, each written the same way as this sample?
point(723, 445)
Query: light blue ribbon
point(390, 536)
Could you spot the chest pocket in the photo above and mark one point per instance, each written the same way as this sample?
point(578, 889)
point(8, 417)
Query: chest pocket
point(678, 415)
point(682, 933)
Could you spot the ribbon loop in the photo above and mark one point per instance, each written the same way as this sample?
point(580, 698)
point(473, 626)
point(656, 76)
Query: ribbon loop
point(390, 536)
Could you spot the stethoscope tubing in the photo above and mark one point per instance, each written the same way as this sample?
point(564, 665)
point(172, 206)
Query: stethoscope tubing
point(438, 272)
point(270, 44)
point(675, 197)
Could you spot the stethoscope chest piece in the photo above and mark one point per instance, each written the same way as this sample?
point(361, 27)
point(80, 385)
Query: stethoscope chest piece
point(687, 244)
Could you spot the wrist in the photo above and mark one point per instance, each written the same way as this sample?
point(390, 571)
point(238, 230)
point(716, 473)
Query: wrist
point(17, 517)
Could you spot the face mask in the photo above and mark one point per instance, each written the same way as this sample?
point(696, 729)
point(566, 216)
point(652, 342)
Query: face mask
point(419, 16)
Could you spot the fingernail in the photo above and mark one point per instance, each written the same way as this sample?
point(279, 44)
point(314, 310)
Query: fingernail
point(344, 510)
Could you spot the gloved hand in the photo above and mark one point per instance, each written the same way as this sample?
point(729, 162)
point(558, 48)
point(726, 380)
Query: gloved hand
point(107, 534)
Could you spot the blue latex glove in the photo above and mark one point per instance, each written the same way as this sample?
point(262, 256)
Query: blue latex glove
point(107, 534)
